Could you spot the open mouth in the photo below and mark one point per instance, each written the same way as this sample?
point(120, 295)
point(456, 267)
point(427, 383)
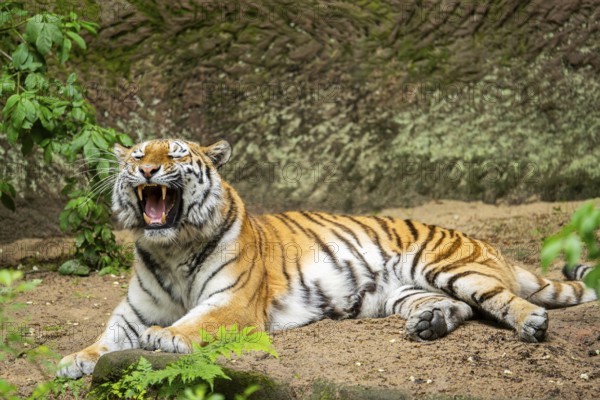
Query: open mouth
point(160, 205)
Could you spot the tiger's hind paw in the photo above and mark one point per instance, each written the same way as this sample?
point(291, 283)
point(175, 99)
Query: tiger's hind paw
point(165, 339)
point(534, 326)
point(428, 324)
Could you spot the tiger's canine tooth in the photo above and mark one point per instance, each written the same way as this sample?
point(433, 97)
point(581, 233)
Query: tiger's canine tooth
point(163, 219)
point(147, 219)
point(139, 192)
point(164, 191)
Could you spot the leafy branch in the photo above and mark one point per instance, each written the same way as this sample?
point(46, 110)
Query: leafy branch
point(579, 233)
point(41, 111)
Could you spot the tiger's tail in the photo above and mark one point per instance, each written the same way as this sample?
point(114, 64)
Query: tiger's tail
point(555, 294)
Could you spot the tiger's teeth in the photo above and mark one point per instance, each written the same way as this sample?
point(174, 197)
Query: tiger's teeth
point(164, 191)
point(139, 192)
point(147, 219)
point(163, 219)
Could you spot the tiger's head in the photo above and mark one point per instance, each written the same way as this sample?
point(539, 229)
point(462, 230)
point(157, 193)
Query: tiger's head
point(165, 188)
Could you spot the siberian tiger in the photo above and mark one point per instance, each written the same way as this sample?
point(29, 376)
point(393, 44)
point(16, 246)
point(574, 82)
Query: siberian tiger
point(201, 261)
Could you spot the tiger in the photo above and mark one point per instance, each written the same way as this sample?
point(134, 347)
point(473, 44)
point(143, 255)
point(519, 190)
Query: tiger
point(202, 262)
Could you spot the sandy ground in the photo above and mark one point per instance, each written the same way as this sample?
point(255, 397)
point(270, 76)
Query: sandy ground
point(480, 359)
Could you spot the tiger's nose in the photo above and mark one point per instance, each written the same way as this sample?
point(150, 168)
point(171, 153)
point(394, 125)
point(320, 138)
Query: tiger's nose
point(148, 170)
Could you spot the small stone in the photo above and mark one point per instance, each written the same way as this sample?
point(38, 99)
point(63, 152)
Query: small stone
point(471, 359)
point(393, 341)
point(507, 372)
point(411, 378)
point(585, 377)
point(428, 381)
point(358, 364)
point(29, 302)
point(35, 268)
point(48, 304)
point(381, 370)
point(116, 283)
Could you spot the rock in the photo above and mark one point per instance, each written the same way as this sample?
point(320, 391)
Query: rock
point(74, 267)
point(111, 366)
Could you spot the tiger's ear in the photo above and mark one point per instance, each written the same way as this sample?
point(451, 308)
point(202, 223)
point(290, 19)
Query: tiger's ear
point(120, 152)
point(219, 153)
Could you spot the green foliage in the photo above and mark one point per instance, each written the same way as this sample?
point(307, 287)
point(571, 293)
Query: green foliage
point(42, 111)
point(12, 343)
point(192, 373)
point(580, 233)
point(62, 387)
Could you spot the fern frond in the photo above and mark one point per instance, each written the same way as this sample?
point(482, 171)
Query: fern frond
point(198, 367)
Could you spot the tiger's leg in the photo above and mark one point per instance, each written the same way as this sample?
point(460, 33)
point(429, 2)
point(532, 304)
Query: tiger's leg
point(208, 316)
point(483, 287)
point(122, 332)
point(429, 315)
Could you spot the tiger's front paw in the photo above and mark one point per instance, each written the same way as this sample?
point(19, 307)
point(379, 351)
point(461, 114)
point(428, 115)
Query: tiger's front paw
point(77, 364)
point(165, 339)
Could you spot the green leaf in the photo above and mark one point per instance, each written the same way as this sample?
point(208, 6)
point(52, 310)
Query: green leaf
point(43, 43)
point(99, 140)
point(20, 55)
point(12, 134)
point(10, 103)
point(55, 34)
point(77, 39)
point(8, 188)
point(48, 154)
point(89, 236)
point(90, 27)
point(78, 114)
point(7, 85)
point(65, 51)
point(63, 219)
point(581, 213)
point(33, 29)
point(8, 277)
point(74, 267)
point(125, 140)
point(71, 78)
point(572, 247)
point(107, 235)
point(589, 222)
point(31, 81)
point(18, 116)
point(80, 140)
point(7, 201)
point(592, 278)
point(550, 251)
point(30, 110)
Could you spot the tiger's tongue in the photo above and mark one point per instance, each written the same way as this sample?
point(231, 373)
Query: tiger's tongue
point(155, 208)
